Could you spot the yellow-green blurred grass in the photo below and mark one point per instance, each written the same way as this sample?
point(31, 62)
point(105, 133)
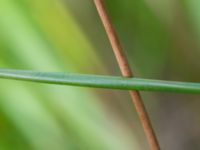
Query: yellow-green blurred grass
point(41, 35)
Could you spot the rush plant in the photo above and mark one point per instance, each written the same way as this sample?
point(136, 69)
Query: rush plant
point(127, 82)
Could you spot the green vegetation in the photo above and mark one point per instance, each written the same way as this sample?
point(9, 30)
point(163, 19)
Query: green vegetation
point(56, 37)
point(100, 81)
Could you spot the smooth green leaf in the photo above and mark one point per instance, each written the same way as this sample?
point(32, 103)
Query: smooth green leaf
point(100, 81)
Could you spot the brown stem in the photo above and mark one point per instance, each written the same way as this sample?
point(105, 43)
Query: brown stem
point(126, 72)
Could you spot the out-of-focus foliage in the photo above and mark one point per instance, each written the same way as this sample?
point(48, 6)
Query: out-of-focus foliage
point(161, 41)
point(42, 35)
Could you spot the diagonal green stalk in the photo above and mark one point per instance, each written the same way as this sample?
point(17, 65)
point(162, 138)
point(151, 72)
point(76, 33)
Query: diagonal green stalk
point(98, 81)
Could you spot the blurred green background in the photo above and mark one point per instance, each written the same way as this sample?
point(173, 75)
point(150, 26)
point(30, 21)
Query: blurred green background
point(161, 40)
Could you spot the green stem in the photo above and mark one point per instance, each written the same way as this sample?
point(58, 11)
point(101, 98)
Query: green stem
point(97, 81)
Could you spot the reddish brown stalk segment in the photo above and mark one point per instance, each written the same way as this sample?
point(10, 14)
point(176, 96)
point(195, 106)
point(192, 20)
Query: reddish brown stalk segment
point(126, 72)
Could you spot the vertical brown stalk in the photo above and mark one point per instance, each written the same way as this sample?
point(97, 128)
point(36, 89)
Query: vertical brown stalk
point(126, 72)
